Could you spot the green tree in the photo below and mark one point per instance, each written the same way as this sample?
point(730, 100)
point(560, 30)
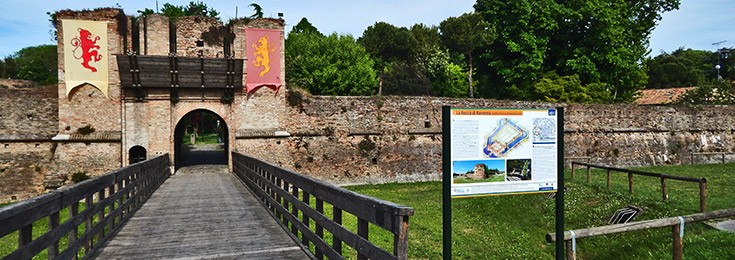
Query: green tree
point(192, 9)
point(681, 68)
point(465, 34)
point(598, 40)
point(36, 63)
point(710, 92)
point(304, 26)
point(387, 43)
point(328, 65)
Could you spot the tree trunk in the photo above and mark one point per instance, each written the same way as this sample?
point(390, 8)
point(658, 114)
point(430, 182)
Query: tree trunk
point(469, 74)
point(380, 80)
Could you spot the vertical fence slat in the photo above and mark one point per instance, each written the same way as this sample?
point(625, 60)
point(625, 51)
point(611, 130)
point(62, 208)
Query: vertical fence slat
point(664, 192)
point(362, 230)
point(74, 234)
point(25, 235)
point(588, 173)
point(630, 182)
point(319, 228)
point(573, 169)
point(305, 219)
point(400, 240)
point(294, 210)
point(337, 218)
point(703, 195)
point(608, 179)
point(571, 254)
point(677, 247)
point(54, 222)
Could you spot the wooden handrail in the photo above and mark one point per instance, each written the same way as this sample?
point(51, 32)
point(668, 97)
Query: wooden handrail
point(118, 194)
point(286, 193)
point(673, 222)
point(664, 191)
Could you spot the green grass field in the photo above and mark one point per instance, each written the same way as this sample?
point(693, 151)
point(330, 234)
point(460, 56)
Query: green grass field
point(514, 226)
point(206, 138)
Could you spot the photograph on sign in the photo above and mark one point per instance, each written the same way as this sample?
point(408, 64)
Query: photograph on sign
point(503, 151)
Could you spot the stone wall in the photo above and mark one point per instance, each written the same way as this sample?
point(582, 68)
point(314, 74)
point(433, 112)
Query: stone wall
point(370, 139)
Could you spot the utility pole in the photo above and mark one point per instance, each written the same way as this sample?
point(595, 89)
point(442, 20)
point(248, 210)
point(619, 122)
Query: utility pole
point(717, 67)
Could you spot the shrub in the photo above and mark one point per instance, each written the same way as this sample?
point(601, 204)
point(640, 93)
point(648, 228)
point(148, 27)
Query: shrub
point(78, 177)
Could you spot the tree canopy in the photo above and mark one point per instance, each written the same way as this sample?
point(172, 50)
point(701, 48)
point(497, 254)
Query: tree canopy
point(328, 65)
point(387, 43)
point(197, 8)
point(36, 63)
point(601, 41)
point(465, 34)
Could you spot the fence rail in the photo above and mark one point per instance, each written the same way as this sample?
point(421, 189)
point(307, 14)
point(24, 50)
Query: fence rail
point(664, 191)
point(286, 193)
point(118, 194)
point(676, 224)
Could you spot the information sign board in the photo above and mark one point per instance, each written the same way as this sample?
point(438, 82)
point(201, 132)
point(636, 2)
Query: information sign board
point(503, 151)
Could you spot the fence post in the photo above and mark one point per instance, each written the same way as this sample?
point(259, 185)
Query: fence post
point(588, 173)
point(608, 179)
point(571, 254)
point(337, 218)
point(702, 195)
point(400, 240)
point(362, 230)
point(664, 193)
point(572, 169)
point(723, 158)
point(676, 248)
point(630, 182)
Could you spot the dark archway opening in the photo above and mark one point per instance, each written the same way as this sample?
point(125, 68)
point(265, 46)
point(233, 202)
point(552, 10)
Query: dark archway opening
point(137, 154)
point(201, 137)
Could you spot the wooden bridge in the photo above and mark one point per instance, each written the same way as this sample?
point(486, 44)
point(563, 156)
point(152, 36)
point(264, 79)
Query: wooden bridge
point(204, 212)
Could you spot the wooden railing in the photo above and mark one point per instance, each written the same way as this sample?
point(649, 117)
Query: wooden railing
point(664, 191)
point(286, 193)
point(676, 223)
point(105, 202)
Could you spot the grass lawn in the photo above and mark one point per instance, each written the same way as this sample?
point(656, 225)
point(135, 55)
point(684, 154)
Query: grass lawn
point(207, 138)
point(514, 226)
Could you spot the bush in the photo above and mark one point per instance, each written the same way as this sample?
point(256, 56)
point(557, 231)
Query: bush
point(78, 177)
point(88, 129)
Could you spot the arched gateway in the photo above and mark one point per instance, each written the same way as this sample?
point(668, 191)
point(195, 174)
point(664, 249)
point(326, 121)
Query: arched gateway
point(144, 85)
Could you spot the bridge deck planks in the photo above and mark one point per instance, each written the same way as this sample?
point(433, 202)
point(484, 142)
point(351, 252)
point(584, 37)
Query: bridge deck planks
point(202, 212)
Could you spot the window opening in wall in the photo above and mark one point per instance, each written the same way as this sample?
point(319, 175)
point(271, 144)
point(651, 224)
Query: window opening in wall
point(137, 154)
point(6, 145)
point(427, 123)
point(37, 145)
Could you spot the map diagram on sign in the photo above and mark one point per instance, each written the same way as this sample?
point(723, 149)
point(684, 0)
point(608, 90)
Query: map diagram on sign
point(544, 130)
point(507, 136)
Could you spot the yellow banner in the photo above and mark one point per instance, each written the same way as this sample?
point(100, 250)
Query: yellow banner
point(85, 54)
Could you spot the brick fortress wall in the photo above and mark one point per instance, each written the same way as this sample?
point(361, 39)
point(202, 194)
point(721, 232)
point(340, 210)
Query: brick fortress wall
point(370, 139)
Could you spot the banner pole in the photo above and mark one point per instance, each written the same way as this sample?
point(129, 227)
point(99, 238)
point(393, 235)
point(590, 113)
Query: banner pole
point(560, 185)
point(446, 184)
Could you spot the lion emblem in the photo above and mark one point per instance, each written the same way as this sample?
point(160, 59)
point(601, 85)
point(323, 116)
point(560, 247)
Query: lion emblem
point(89, 48)
point(262, 54)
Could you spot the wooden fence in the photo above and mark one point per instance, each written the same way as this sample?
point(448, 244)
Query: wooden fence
point(286, 193)
point(676, 223)
point(106, 202)
point(664, 191)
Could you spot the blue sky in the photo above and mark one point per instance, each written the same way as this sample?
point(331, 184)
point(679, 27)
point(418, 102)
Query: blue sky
point(697, 24)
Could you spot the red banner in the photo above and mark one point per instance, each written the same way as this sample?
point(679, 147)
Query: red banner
point(263, 49)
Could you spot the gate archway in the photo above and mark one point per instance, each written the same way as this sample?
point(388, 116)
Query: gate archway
point(201, 137)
